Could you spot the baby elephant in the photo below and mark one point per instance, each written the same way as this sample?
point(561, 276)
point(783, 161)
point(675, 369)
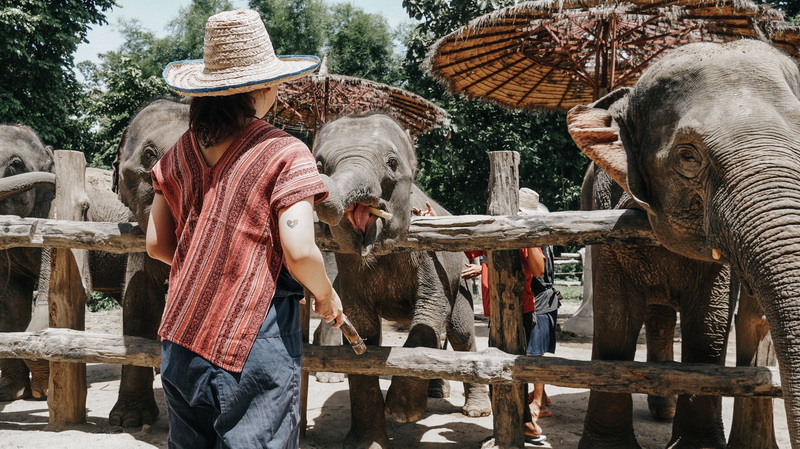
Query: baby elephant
point(369, 164)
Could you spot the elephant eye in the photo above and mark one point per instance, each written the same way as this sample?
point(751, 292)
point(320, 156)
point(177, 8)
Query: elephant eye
point(392, 163)
point(16, 166)
point(320, 167)
point(150, 155)
point(687, 156)
point(689, 161)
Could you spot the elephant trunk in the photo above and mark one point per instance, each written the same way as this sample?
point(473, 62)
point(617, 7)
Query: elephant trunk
point(17, 184)
point(762, 223)
point(346, 188)
point(330, 210)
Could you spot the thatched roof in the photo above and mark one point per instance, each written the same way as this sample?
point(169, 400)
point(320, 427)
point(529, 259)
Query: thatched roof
point(555, 54)
point(311, 101)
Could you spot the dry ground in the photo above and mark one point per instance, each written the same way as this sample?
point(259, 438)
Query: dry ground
point(23, 424)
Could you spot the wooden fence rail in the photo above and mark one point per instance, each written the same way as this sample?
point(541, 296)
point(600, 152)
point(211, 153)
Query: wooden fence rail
point(490, 366)
point(451, 233)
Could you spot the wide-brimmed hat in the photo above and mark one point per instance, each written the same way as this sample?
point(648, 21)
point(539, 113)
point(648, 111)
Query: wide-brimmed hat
point(237, 57)
point(529, 202)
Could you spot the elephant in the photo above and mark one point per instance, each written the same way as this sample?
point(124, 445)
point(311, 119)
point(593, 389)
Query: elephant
point(27, 190)
point(152, 131)
point(368, 162)
point(706, 143)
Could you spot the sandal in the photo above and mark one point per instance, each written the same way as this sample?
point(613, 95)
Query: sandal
point(537, 440)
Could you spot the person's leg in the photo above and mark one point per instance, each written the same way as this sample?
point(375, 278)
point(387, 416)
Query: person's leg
point(185, 378)
point(261, 405)
point(538, 406)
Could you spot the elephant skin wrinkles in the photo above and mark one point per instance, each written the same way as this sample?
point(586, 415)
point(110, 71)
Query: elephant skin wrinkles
point(707, 143)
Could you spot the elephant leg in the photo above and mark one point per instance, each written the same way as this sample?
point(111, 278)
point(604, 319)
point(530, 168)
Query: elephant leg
point(325, 335)
point(618, 318)
point(367, 420)
point(40, 319)
point(142, 306)
point(14, 381)
point(705, 323)
point(660, 323)
point(461, 334)
point(752, 426)
point(407, 397)
point(15, 314)
point(439, 388)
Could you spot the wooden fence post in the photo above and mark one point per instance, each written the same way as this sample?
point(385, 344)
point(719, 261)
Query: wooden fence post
point(66, 397)
point(505, 287)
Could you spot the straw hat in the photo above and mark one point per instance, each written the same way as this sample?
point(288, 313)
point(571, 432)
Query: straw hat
point(529, 202)
point(237, 57)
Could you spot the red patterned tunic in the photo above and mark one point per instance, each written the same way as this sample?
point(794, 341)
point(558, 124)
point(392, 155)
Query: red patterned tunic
point(228, 254)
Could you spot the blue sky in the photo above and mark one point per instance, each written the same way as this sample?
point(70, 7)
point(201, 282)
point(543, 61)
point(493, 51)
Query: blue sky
point(155, 14)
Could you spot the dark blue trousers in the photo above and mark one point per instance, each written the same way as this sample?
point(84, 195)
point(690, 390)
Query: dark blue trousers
point(209, 407)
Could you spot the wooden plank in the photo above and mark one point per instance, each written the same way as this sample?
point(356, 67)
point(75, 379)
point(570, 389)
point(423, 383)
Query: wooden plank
point(490, 366)
point(505, 289)
point(451, 233)
point(66, 397)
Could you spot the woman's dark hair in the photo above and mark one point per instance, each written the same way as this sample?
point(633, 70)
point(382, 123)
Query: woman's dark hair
point(215, 118)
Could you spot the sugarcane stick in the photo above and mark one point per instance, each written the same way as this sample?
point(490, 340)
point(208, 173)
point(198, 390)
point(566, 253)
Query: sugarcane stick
point(352, 336)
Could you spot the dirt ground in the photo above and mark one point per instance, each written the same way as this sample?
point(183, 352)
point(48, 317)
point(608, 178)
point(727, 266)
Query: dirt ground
point(23, 424)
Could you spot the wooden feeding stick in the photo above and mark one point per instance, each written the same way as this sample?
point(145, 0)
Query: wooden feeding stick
point(352, 336)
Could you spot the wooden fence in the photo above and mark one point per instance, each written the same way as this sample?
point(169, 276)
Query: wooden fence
point(501, 233)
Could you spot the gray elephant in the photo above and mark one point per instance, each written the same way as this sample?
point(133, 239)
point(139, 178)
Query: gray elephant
point(706, 143)
point(150, 133)
point(26, 190)
point(369, 164)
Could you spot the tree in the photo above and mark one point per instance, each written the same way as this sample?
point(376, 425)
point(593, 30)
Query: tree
point(550, 163)
point(361, 44)
point(130, 77)
point(37, 85)
point(294, 26)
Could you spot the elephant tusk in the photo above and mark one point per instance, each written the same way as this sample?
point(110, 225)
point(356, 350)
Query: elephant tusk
point(716, 254)
point(380, 213)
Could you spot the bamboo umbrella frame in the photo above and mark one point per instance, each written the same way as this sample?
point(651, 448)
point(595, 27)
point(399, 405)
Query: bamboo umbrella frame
point(307, 103)
point(555, 54)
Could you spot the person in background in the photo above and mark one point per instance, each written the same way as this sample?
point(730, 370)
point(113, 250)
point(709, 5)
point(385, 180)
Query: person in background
point(232, 215)
point(533, 266)
point(540, 326)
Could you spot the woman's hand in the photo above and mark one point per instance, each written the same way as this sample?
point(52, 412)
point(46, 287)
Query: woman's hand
point(470, 271)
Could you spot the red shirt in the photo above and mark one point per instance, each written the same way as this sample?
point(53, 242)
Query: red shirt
point(528, 298)
point(228, 253)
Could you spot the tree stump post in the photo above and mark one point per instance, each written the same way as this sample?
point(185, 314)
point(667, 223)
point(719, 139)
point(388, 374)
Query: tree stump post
point(752, 426)
point(66, 397)
point(505, 287)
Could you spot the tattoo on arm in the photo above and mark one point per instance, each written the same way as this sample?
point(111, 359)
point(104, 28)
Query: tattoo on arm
point(292, 223)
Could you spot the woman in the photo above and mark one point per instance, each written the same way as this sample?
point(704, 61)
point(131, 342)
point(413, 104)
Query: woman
point(232, 215)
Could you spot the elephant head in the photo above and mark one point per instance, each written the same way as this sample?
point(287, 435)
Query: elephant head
point(26, 169)
point(368, 163)
point(708, 143)
point(149, 135)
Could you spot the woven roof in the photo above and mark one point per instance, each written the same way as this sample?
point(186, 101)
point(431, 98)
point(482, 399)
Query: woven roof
point(309, 102)
point(555, 54)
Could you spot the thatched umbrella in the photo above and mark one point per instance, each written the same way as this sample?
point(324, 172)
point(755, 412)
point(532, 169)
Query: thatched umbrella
point(309, 102)
point(555, 54)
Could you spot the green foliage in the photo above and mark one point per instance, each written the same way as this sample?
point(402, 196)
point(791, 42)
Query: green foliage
point(99, 302)
point(360, 44)
point(572, 293)
point(295, 26)
point(37, 85)
point(128, 78)
point(454, 165)
point(110, 106)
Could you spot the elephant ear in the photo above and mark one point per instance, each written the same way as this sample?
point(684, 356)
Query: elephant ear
point(598, 135)
point(115, 164)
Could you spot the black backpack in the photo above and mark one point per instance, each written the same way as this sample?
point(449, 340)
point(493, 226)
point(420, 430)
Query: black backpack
point(548, 299)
